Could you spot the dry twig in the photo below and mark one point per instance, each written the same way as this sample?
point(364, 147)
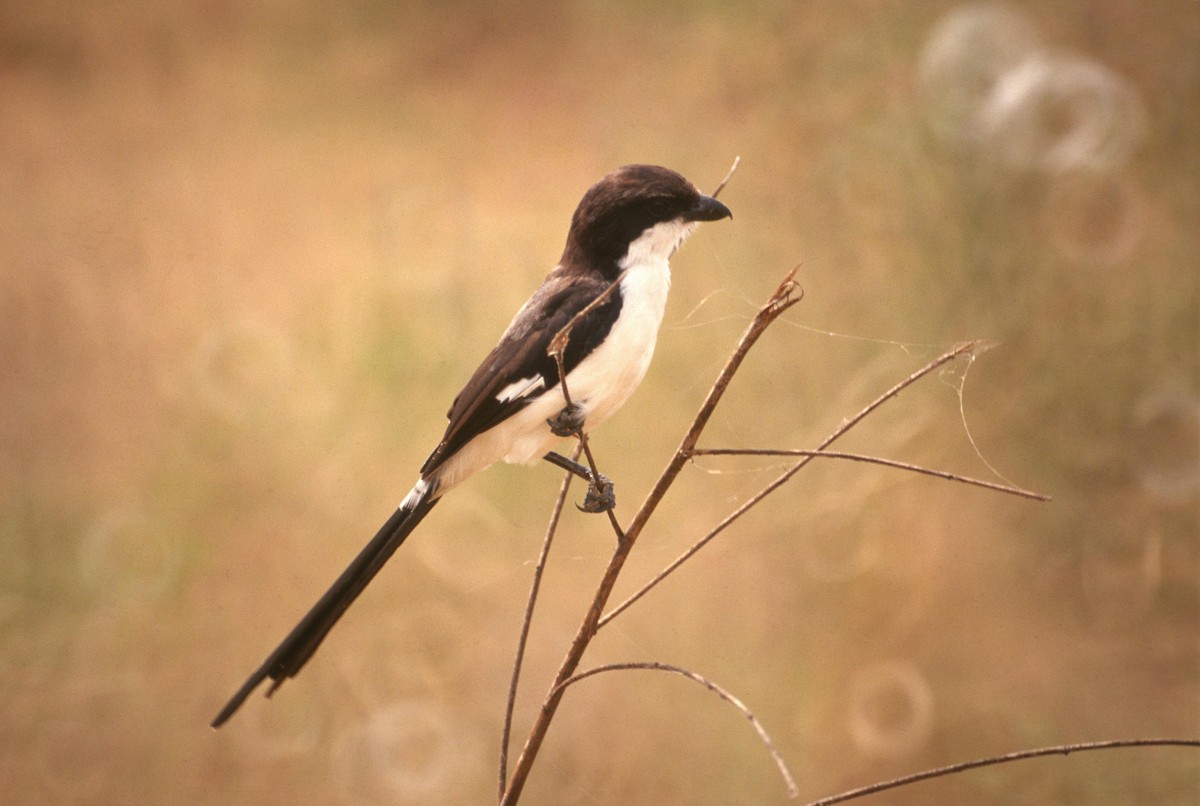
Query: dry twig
point(875, 460)
point(788, 779)
point(783, 298)
point(538, 570)
point(732, 168)
point(1057, 750)
point(754, 500)
point(786, 294)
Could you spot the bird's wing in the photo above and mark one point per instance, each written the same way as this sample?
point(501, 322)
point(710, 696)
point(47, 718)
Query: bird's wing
point(519, 369)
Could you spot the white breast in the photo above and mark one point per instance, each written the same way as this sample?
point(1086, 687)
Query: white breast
point(603, 381)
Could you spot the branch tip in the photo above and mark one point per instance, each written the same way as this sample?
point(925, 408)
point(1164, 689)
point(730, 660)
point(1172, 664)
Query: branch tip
point(736, 162)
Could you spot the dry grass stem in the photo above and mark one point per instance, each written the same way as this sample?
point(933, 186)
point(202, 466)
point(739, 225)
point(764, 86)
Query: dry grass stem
point(535, 585)
point(1057, 750)
point(721, 186)
point(558, 344)
point(858, 457)
point(788, 779)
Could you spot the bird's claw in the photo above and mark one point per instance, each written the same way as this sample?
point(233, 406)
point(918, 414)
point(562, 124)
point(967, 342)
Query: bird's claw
point(567, 422)
point(601, 496)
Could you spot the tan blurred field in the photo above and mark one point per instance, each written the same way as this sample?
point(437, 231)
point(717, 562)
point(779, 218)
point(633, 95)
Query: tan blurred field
point(251, 251)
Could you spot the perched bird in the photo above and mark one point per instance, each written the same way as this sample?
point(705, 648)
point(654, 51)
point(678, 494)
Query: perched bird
point(622, 234)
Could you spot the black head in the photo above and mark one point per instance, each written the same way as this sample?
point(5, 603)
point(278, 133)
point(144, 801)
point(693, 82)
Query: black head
point(622, 206)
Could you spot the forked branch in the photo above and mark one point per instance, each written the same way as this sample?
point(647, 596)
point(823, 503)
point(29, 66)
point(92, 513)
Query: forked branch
point(785, 295)
point(965, 348)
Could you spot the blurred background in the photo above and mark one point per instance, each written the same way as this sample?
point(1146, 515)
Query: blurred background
point(238, 238)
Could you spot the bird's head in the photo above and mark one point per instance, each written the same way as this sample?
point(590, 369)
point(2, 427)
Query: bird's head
point(637, 211)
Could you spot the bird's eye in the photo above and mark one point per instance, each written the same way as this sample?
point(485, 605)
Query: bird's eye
point(659, 208)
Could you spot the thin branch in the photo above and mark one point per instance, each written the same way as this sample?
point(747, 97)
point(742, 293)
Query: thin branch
point(966, 347)
point(1057, 750)
point(858, 457)
point(736, 162)
point(556, 349)
point(612, 516)
point(538, 570)
point(788, 780)
point(558, 345)
point(784, 297)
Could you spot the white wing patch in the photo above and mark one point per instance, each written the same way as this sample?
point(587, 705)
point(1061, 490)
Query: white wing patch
point(521, 388)
point(416, 494)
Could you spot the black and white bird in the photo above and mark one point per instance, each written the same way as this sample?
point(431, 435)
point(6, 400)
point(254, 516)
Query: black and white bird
point(622, 234)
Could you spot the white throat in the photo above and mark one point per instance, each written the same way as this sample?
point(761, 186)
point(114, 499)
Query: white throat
point(648, 279)
point(658, 242)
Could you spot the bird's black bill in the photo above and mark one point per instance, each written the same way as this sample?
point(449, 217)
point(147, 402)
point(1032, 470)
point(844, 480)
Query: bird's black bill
point(707, 209)
point(295, 650)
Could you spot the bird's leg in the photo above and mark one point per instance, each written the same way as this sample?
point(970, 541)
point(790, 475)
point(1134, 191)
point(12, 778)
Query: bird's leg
point(568, 422)
point(600, 495)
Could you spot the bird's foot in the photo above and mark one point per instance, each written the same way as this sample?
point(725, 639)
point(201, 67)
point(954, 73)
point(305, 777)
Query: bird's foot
point(601, 496)
point(568, 422)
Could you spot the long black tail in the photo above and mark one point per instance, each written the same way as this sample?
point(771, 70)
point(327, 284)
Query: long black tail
point(295, 650)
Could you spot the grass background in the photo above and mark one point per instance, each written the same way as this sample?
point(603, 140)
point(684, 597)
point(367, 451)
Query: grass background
point(238, 238)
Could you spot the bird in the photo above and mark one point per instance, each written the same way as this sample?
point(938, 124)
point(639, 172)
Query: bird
point(609, 291)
